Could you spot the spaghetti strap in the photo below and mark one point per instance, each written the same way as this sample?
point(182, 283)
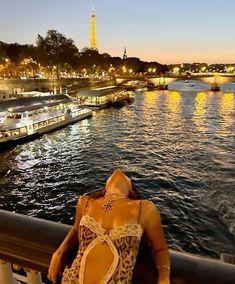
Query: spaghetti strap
point(139, 211)
point(86, 207)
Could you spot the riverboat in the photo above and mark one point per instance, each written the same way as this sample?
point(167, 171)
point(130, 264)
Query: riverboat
point(25, 119)
point(5, 95)
point(105, 97)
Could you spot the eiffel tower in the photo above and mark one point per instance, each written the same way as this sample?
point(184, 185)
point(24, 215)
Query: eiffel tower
point(93, 31)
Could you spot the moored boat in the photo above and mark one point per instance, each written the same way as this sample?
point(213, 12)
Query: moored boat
point(105, 97)
point(25, 119)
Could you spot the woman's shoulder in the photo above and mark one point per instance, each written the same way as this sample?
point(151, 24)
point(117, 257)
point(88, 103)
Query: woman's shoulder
point(147, 204)
point(82, 199)
point(148, 208)
point(82, 202)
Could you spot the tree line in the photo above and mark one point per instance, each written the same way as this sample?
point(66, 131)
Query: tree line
point(55, 53)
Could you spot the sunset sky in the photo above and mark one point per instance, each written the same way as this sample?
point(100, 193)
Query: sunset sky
point(167, 31)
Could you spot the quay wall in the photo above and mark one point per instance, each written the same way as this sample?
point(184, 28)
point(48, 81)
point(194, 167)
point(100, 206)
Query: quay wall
point(72, 85)
point(29, 242)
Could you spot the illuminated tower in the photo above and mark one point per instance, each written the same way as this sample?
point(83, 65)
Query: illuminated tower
point(92, 31)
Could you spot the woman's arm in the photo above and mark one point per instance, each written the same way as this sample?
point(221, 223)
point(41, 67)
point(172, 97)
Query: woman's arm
point(68, 243)
point(151, 222)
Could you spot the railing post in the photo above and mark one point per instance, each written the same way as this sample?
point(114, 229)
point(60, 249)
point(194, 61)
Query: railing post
point(6, 275)
point(33, 276)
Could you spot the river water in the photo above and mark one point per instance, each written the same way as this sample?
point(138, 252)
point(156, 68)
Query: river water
point(178, 148)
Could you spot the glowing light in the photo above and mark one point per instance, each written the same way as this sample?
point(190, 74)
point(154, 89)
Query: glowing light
point(229, 69)
point(200, 111)
point(174, 109)
point(226, 112)
point(176, 70)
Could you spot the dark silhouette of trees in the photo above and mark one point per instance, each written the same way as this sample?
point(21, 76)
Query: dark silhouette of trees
point(57, 51)
point(2, 53)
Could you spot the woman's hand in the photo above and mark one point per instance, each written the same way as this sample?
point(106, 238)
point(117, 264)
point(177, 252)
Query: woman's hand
point(55, 267)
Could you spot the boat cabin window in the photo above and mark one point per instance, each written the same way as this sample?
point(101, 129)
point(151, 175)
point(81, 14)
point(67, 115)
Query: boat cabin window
point(17, 116)
point(10, 115)
point(35, 126)
point(40, 125)
point(23, 130)
point(24, 114)
point(15, 132)
point(4, 134)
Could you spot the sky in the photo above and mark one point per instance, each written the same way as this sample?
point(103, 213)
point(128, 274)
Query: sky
point(166, 31)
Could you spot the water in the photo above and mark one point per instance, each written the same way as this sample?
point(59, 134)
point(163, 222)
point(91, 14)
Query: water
point(178, 149)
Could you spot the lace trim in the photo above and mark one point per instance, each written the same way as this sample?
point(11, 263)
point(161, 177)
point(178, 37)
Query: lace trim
point(92, 224)
point(134, 229)
point(127, 230)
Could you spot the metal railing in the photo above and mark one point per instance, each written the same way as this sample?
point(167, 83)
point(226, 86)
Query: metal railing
point(29, 243)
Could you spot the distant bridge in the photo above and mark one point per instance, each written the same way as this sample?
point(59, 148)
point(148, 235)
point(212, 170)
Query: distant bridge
point(217, 79)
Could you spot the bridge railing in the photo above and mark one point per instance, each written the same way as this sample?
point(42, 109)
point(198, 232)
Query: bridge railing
point(29, 242)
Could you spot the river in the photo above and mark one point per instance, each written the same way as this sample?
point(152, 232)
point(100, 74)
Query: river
point(178, 148)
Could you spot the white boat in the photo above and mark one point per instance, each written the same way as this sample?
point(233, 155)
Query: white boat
point(189, 86)
point(25, 119)
point(104, 97)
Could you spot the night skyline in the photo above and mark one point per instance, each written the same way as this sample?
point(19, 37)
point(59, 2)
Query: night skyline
point(169, 32)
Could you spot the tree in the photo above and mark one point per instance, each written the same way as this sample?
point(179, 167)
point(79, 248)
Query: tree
point(57, 51)
point(132, 64)
point(2, 53)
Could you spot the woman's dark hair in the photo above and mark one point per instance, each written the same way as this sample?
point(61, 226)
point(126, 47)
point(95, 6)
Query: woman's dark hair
point(133, 194)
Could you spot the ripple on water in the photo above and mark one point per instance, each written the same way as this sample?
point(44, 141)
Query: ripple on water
point(178, 149)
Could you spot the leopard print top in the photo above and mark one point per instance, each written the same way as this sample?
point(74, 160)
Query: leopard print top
point(123, 242)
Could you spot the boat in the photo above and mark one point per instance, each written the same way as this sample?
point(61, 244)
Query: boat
point(25, 119)
point(150, 86)
point(5, 95)
point(100, 98)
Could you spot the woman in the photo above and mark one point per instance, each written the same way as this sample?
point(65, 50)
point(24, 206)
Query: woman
point(108, 227)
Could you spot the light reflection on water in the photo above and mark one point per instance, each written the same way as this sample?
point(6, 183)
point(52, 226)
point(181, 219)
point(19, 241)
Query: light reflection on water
point(226, 112)
point(200, 111)
point(178, 148)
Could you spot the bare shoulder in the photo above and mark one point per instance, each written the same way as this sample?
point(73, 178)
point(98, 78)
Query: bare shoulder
point(81, 203)
point(149, 206)
point(149, 212)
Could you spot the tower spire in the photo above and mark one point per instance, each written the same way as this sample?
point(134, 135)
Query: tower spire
point(124, 54)
point(93, 30)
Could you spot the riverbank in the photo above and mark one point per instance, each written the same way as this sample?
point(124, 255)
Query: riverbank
point(69, 85)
